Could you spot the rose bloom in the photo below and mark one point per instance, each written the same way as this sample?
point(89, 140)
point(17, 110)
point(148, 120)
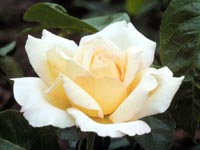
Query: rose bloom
point(103, 85)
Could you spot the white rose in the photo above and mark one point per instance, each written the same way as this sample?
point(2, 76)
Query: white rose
point(104, 85)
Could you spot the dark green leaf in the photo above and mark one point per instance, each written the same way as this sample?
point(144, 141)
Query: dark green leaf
point(15, 129)
point(162, 130)
point(50, 15)
point(6, 145)
point(8, 48)
point(180, 50)
point(91, 141)
point(101, 22)
point(69, 135)
point(118, 143)
point(136, 7)
point(9, 68)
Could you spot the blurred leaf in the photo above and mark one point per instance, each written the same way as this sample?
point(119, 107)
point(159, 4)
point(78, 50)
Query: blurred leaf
point(9, 68)
point(6, 49)
point(101, 22)
point(161, 135)
point(136, 7)
point(70, 135)
point(91, 141)
point(6, 145)
point(117, 143)
point(50, 15)
point(180, 50)
point(15, 129)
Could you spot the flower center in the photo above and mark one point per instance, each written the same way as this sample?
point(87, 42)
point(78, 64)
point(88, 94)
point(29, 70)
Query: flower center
point(106, 65)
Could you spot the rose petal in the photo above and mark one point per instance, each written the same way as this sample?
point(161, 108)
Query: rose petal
point(133, 62)
point(95, 45)
point(135, 101)
point(108, 92)
point(36, 50)
point(29, 93)
point(60, 63)
point(106, 70)
point(86, 124)
point(80, 99)
point(56, 93)
point(161, 98)
point(125, 35)
point(69, 47)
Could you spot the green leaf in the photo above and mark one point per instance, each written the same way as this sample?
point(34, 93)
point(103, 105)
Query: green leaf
point(69, 135)
point(162, 131)
point(136, 7)
point(101, 22)
point(118, 143)
point(15, 129)
point(92, 141)
point(9, 68)
point(180, 50)
point(8, 48)
point(50, 15)
point(6, 145)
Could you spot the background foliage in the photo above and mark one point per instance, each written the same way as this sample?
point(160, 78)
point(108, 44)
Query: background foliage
point(174, 25)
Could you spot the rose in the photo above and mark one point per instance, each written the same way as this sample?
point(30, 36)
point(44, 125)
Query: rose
point(104, 85)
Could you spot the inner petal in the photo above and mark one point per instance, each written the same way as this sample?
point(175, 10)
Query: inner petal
point(60, 63)
point(106, 70)
point(80, 99)
point(109, 93)
point(56, 94)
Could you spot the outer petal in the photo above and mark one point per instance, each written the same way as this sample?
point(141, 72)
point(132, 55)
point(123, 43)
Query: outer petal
point(161, 98)
point(37, 48)
point(125, 35)
point(135, 101)
point(113, 130)
point(69, 47)
point(29, 93)
point(80, 99)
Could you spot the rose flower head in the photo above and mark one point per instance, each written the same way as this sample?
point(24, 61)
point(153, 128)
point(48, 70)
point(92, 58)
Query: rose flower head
point(103, 85)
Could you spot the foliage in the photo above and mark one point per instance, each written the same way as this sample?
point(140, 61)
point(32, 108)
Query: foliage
point(15, 133)
point(50, 15)
point(8, 48)
point(180, 50)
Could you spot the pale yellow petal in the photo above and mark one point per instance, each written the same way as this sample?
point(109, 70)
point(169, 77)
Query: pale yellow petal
point(60, 63)
point(106, 70)
point(125, 35)
point(80, 99)
point(161, 97)
point(68, 47)
point(56, 94)
point(36, 50)
point(108, 92)
point(135, 101)
point(86, 124)
point(133, 61)
point(90, 48)
point(29, 93)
